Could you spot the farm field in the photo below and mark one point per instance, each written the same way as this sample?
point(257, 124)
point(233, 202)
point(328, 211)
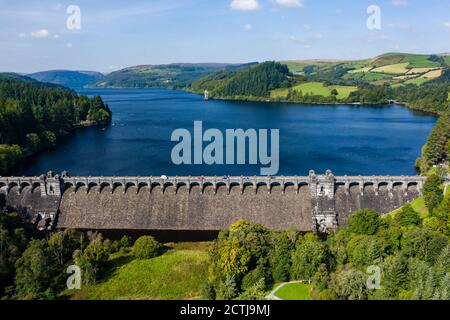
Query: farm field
point(399, 68)
point(315, 88)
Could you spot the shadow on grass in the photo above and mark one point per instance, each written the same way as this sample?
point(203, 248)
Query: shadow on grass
point(114, 264)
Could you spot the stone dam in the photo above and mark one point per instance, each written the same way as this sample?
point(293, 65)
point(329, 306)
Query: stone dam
point(318, 203)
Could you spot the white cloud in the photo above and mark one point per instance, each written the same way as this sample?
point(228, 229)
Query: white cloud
point(248, 27)
point(42, 33)
point(399, 3)
point(56, 36)
point(246, 5)
point(22, 35)
point(447, 25)
point(69, 45)
point(291, 3)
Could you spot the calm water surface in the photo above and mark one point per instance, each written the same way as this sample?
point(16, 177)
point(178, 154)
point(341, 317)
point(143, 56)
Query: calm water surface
point(350, 140)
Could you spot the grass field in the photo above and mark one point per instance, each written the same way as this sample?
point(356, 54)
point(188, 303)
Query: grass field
point(177, 274)
point(420, 61)
point(418, 205)
point(417, 81)
point(315, 88)
point(432, 74)
point(294, 291)
point(399, 68)
point(365, 69)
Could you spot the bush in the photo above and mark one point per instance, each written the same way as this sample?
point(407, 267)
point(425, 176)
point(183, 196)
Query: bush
point(255, 292)
point(146, 247)
point(125, 242)
point(407, 216)
point(432, 192)
point(253, 277)
point(208, 291)
point(364, 222)
point(309, 254)
point(227, 289)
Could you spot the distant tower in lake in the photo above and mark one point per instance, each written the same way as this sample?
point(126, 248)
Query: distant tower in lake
point(206, 95)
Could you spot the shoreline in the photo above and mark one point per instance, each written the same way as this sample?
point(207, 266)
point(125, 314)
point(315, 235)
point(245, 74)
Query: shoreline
point(271, 101)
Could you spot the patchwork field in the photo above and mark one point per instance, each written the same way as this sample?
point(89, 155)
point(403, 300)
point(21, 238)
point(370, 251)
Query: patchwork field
point(399, 68)
point(315, 88)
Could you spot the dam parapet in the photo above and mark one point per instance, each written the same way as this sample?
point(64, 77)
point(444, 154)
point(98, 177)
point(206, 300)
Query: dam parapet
point(308, 203)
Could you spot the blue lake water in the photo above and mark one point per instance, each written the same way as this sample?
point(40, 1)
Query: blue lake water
point(349, 140)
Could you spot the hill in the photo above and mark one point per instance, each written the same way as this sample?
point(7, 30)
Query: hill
point(171, 76)
point(393, 68)
point(34, 116)
point(67, 78)
point(249, 81)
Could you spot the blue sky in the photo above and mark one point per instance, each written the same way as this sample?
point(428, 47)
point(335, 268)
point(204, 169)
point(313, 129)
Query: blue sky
point(116, 34)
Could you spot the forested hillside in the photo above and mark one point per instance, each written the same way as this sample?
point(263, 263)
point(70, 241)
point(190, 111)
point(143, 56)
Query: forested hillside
point(255, 81)
point(67, 78)
point(34, 115)
point(171, 76)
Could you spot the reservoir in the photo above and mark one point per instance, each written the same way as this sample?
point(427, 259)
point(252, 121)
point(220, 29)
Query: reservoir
point(348, 139)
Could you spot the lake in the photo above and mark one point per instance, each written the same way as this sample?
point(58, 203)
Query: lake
point(348, 139)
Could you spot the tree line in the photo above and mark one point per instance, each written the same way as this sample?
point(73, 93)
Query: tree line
point(411, 251)
point(34, 115)
point(33, 266)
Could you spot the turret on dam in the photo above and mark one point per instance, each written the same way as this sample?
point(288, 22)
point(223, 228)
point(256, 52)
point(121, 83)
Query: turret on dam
point(309, 203)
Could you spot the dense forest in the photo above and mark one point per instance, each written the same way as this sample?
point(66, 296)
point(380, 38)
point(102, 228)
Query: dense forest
point(411, 252)
point(33, 116)
point(254, 81)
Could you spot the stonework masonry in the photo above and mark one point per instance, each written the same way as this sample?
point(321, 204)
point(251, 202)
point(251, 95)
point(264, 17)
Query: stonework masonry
point(316, 203)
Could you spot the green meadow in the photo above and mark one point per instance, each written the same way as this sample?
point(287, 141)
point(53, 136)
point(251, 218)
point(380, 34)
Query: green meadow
point(315, 88)
point(294, 291)
point(179, 273)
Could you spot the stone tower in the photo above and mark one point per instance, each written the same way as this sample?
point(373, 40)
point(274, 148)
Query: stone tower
point(323, 201)
point(50, 185)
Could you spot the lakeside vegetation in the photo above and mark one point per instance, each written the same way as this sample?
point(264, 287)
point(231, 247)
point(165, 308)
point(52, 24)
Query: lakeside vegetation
point(411, 250)
point(34, 115)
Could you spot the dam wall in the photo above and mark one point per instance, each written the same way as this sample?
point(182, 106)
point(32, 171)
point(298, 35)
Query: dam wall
point(318, 203)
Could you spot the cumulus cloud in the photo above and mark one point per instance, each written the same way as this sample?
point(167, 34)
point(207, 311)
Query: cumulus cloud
point(22, 35)
point(246, 5)
point(290, 3)
point(42, 33)
point(248, 27)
